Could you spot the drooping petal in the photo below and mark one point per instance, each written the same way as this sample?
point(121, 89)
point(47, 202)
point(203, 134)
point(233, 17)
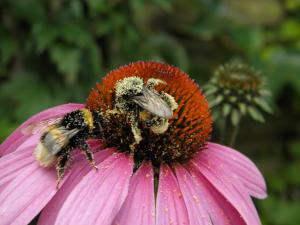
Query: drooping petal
point(138, 208)
point(26, 194)
point(193, 198)
point(17, 137)
point(26, 187)
point(98, 196)
point(219, 175)
point(170, 206)
point(13, 163)
point(50, 212)
point(220, 211)
point(241, 167)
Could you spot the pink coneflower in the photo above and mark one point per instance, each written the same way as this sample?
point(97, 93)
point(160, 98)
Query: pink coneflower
point(174, 176)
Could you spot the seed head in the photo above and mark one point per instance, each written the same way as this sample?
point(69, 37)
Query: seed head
point(236, 90)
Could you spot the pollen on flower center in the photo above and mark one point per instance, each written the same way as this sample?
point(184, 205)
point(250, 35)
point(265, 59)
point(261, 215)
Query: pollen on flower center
point(174, 139)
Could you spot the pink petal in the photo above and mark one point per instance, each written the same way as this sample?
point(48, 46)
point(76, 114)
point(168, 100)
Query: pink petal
point(230, 188)
point(17, 137)
point(170, 206)
point(12, 164)
point(26, 187)
point(98, 196)
point(25, 196)
point(139, 205)
point(50, 212)
point(241, 167)
point(193, 198)
point(221, 212)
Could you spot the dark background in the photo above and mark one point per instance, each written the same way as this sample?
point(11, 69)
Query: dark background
point(53, 52)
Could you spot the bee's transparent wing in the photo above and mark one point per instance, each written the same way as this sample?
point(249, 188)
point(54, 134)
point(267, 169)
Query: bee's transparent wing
point(153, 103)
point(55, 141)
point(41, 126)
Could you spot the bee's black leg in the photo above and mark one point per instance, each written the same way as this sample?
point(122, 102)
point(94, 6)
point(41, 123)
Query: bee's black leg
point(62, 163)
point(135, 131)
point(88, 154)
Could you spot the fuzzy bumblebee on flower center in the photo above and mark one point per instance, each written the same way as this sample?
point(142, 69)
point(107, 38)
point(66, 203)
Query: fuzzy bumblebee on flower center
point(158, 114)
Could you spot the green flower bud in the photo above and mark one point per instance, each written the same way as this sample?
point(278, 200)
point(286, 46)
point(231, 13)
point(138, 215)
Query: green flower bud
point(236, 90)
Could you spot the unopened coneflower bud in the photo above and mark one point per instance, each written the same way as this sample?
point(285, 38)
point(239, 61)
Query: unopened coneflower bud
point(236, 90)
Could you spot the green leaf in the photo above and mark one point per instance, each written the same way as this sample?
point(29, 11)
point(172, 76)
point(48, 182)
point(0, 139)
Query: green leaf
point(67, 61)
point(226, 109)
point(95, 59)
point(253, 12)
point(232, 99)
point(169, 48)
point(28, 99)
point(250, 39)
point(76, 8)
point(44, 34)
point(215, 115)
point(235, 117)
point(265, 92)
point(255, 114)
point(290, 29)
point(281, 66)
point(211, 90)
point(216, 101)
point(6, 129)
point(249, 97)
point(243, 108)
point(292, 5)
point(295, 148)
point(208, 86)
point(263, 104)
point(292, 173)
point(8, 48)
point(227, 91)
point(96, 7)
point(75, 33)
point(29, 10)
point(280, 210)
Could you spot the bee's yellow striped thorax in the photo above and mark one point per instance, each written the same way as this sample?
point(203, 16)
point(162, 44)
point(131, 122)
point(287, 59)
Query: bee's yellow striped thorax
point(88, 118)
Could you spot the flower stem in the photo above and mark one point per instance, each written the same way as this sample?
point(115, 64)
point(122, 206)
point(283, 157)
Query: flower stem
point(228, 132)
point(233, 135)
point(223, 127)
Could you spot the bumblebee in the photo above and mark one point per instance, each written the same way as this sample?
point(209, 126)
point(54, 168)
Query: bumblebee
point(139, 102)
point(144, 104)
point(62, 135)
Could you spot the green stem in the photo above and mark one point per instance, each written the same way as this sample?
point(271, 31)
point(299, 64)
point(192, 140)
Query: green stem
point(233, 135)
point(223, 127)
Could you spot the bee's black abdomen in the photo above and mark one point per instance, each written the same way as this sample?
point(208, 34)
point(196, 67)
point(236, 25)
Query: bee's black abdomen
point(74, 120)
point(98, 121)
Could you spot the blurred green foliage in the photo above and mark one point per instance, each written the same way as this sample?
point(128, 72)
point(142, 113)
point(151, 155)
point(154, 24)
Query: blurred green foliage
point(53, 52)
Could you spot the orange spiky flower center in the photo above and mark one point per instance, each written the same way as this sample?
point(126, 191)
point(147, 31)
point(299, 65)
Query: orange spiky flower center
point(188, 128)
